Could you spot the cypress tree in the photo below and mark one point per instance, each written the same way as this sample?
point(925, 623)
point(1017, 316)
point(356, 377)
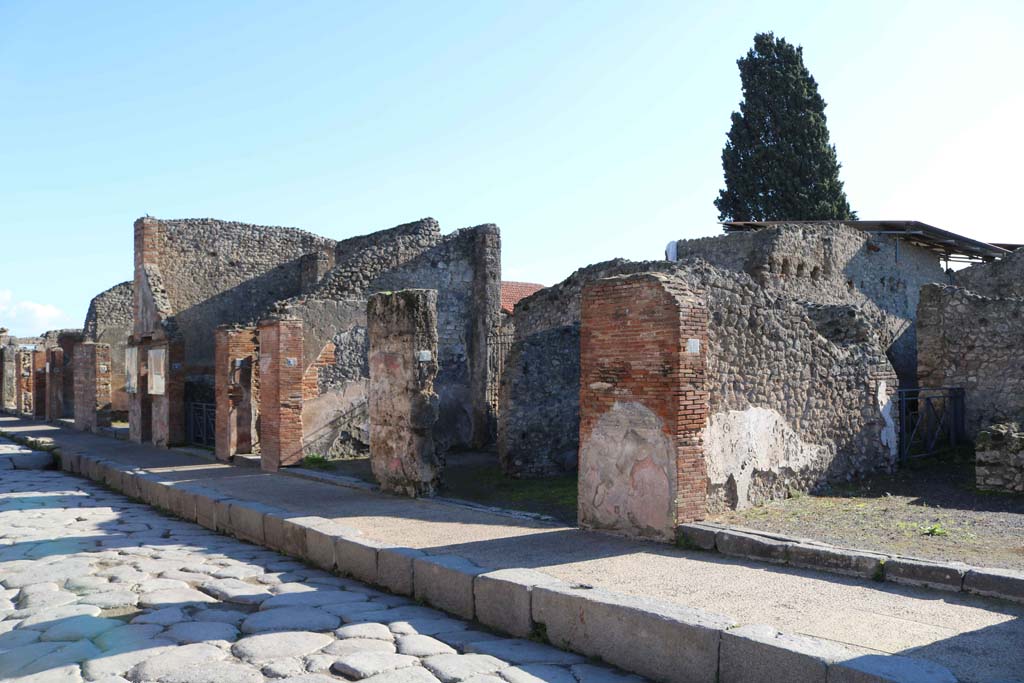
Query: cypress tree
point(778, 161)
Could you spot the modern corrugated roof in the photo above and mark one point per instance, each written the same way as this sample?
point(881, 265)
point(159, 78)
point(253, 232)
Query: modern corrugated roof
point(915, 232)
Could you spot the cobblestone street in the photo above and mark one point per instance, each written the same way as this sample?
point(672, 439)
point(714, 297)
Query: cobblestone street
point(99, 588)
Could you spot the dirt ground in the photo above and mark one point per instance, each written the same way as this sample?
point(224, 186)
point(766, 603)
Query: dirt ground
point(929, 510)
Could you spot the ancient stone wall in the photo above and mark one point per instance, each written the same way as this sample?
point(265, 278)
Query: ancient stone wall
point(973, 342)
point(999, 458)
point(8, 377)
point(834, 264)
point(25, 380)
point(109, 321)
point(997, 279)
point(403, 335)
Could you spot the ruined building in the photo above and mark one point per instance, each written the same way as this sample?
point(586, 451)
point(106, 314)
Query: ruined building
point(269, 325)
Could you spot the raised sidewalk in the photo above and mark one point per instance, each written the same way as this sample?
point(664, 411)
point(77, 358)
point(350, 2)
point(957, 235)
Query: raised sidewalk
point(978, 639)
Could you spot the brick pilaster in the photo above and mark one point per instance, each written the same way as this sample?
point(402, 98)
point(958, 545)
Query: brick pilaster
point(281, 388)
point(235, 353)
point(92, 370)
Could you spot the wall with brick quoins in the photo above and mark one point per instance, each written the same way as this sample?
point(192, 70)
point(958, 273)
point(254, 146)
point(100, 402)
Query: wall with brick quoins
point(192, 275)
point(93, 383)
point(237, 391)
point(799, 393)
point(837, 265)
point(972, 341)
point(280, 371)
point(643, 405)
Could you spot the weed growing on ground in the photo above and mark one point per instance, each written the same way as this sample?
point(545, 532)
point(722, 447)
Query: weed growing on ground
point(315, 461)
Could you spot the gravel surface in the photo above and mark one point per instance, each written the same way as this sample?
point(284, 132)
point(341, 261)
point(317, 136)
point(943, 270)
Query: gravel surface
point(99, 588)
point(930, 510)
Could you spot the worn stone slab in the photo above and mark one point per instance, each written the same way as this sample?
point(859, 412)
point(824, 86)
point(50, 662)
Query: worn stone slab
point(456, 668)
point(591, 673)
point(446, 582)
point(761, 653)
point(395, 569)
point(365, 664)
point(247, 521)
point(422, 646)
point(236, 591)
point(944, 576)
point(520, 651)
point(117, 662)
point(265, 647)
point(201, 632)
point(349, 646)
point(678, 644)
point(538, 673)
point(80, 627)
point(739, 544)
point(177, 597)
point(291, 619)
point(997, 583)
point(164, 665)
point(837, 560)
point(285, 533)
point(502, 599)
point(214, 672)
point(357, 557)
point(888, 669)
point(315, 598)
point(125, 637)
point(368, 630)
point(412, 674)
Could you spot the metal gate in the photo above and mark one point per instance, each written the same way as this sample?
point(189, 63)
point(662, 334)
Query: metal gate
point(202, 423)
point(931, 421)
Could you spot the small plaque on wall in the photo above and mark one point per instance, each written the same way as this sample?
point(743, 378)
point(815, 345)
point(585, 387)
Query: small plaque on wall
point(157, 371)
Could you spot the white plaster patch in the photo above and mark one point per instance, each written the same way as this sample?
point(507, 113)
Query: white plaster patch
point(740, 442)
point(886, 408)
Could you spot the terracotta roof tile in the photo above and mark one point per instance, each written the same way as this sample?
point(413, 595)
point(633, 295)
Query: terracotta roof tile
point(512, 292)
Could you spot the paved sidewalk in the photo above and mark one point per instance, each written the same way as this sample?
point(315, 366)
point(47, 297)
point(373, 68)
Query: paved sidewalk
point(98, 587)
point(979, 639)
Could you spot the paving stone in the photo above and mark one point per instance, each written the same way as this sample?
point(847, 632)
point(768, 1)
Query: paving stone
point(68, 653)
point(79, 628)
point(348, 646)
point(290, 619)
point(200, 632)
point(310, 678)
point(319, 663)
point(70, 673)
point(47, 598)
point(110, 599)
point(174, 597)
point(45, 619)
point(165, 616)
point(234, 590)
point(164, 665)
point(237, 571)
point(284, 668)
point(369, 630)
point(214, 672)
point(87, 584)
point(118, 662)
point(270, 646)
point(19, 638)
point(150, 585)
point(226, 616)
point(129, 635)
point(14, 660)
point(517, 651)
point(426, 627)
point(412, 674)
point(591, 673)
point(365, 664)
point(540, 673)
point(315, 598)
point(422, 646)
point(461, 639)
point(455, 668)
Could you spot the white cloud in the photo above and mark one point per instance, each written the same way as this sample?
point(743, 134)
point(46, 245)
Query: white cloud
point(28, 318)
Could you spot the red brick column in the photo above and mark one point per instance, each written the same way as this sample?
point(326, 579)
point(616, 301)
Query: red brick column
point(234, 359)
point(92, 386)
point(280, 371)
point(54, 384)
point(643, 405)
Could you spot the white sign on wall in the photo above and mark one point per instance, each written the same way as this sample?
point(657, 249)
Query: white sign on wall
point(157, 371)
point(131, 369)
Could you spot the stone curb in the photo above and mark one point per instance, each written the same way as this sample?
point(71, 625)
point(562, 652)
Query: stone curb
point(1004, 584)
point(666, 642)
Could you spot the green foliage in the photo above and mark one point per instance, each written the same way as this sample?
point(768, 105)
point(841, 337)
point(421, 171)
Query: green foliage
point(778, 162)
point(317, 462)
point(934, 530)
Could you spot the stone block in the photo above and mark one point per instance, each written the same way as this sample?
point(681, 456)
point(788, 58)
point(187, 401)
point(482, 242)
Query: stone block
point(944, 576)
point(130, 484)
point(222, 514)
point(183, 502)
point(37, 460)
point(320, 546)
point(502, 599)
point(997, 583)
point(697, 536)
point(395, 569)
point(206, 509)
point(69, 462)
point(247, 521)
point(888, 669)
point(446, 582)
point(665, 642)
point(357, 557)
point(753, 547)
point(837, 560)
point(760, 653)
point(287, 533)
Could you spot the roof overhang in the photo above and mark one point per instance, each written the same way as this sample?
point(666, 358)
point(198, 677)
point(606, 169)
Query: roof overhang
point(948, 244)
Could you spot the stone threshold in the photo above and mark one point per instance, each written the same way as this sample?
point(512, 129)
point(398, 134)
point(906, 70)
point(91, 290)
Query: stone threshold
point(753, 544)
point(664, 642)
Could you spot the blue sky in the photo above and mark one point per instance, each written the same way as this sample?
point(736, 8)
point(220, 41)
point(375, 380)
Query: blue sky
point(586, 130)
